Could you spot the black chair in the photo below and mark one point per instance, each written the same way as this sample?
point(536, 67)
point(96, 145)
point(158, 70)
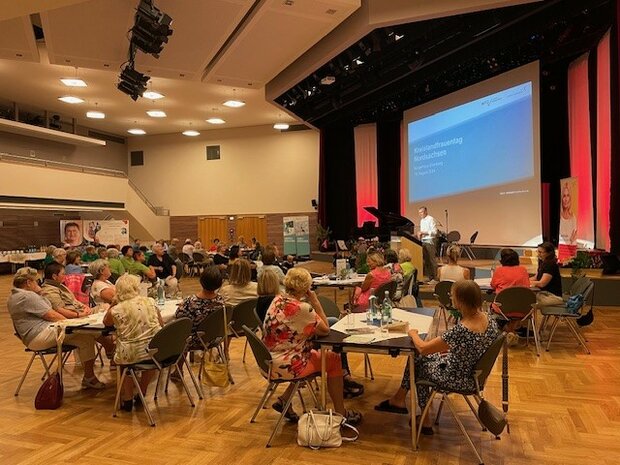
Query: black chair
point(453, 237)
point(243, 314)
point(442, 294)
point(467, 247)
point(329, 306)
point(265, 363)
point(519, 300)
point(187, 262)
point(166, 350)
point(390, 287)
point(213, 332)
point(41, 354)
point(201, 261)
point(482, 370)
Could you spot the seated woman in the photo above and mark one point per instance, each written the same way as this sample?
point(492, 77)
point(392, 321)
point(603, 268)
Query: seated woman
point(452, 271)
point(233, 254)
point(239, 287)
point(511, 273)
point(136, 320)
point(377, 276)
point(206, 301)
point(90, 254)
point(73, 262)
point(268, 288)
point(269, 260)
point(49, 257)
point(448, 360)
point(404, 258)
point(102, 290)
point(548, 278)
point(298, 313)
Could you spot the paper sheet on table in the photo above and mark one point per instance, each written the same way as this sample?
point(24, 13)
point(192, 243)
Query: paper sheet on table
point(486, 282)
point(422, 323)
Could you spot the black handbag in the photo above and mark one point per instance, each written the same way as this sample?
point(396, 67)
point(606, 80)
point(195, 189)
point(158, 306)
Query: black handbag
point(491, 417)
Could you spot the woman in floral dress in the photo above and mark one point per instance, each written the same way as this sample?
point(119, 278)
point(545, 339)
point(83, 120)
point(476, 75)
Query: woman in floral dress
point(291, 321)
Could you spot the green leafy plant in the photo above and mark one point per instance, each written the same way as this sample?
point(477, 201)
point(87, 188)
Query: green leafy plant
point(360, 263)
point(322, 233)
point(579, 262)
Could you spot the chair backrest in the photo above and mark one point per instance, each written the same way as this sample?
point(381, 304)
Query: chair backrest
point(473, 237)
point(184, 258)
point(243, 315)
point(442, 293)
point(453, 236)
point(390, 286)
point(170, 341)
point(179, 265)
point(329, 306)
point(483, 367)
point(580, 285)
point(199, 257)
point(213, 327)
point(87, 283)
point(260, 351)
point(516, 300)
point(407, 285)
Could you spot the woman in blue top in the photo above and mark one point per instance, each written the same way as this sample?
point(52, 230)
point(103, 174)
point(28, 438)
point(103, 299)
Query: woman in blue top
point(449, 360)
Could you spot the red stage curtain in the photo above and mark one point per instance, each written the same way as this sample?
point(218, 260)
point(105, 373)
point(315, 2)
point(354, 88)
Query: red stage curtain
point(579, 141)
point(365, 171)
point(603, 144)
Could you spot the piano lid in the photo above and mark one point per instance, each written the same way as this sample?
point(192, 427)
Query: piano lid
point(393, 221)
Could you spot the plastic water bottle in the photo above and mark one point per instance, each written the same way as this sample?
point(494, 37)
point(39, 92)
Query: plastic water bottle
point(161, 295)
point(370, 313)
point(386, 309)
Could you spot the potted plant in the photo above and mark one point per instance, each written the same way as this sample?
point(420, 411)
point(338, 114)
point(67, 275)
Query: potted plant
point(322, 236)
point(582, 260)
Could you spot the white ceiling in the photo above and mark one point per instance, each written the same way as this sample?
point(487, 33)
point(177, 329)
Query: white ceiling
point(217, 46)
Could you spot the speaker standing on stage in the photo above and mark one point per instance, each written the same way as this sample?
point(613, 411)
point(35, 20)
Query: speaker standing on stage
point(428, 226)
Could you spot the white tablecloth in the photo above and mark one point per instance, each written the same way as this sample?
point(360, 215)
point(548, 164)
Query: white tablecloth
point(22, 257)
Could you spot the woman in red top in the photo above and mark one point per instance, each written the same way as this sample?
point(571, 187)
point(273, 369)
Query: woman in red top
point(510, 274)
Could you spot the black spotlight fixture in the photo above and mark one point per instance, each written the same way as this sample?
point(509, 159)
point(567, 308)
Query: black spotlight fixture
point(151, 29)
point(132, 82)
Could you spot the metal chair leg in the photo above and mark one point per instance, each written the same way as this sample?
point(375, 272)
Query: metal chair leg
point(439, 411)
point(575, 331)
point(368, 367)
point(284, 410)
point(553, 328)
point(146, 408)
point(46, 366)
point(225, 360)
point(462, 428)
point(189, 395)
point(197, 385)
point(245, 349)
point(21, 381)
point(271, 387)
point(301, 399)
point(424, 413)
point(473, 410)
point(534, 330)
point(313, 394)
point(119, 388)
point(157, 384)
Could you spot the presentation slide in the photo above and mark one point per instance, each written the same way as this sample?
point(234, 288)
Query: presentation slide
point(473, 160)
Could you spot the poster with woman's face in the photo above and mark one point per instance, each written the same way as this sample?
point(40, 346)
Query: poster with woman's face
point(568, 218)
point(71, 233)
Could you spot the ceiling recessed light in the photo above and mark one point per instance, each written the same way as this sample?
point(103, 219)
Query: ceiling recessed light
point(234, 103)
point(137, 132)
point(191, 133)
point(73, 82)
point(95, 114)
point(281, 126)
point(156, 113)
point(70, 99)
point(151, 95)
point(215, 121)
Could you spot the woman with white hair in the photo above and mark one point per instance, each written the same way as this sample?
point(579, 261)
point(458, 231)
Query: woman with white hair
point(60, 255)
point(136, 320)
point(102, 290)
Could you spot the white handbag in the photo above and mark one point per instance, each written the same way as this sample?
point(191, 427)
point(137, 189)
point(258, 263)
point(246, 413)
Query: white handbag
point(317, 429)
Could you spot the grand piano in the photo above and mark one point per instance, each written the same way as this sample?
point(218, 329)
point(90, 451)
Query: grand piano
point(394, 225)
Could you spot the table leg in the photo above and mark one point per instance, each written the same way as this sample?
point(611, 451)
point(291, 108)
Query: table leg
point(413, 397)
point(323, 377)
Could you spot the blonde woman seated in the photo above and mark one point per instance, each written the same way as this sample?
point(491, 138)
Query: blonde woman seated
point(291, 321)
point(136, 320)
point(377, 276)
point(268, 288)
point(102, 290)
point(239, 287)
point(404, 258)
point(448, 360)
point(452, 271)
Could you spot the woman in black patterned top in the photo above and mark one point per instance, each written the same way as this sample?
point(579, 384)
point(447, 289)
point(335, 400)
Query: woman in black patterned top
point(198, 306)
point(449, 360)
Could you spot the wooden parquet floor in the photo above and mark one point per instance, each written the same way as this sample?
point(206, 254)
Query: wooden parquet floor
point(564, 409)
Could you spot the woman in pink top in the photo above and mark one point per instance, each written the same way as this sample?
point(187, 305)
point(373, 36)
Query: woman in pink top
point(377, 276)
point(510, 274)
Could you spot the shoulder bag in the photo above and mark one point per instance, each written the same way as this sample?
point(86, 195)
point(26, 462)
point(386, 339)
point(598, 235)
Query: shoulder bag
point(318, 429)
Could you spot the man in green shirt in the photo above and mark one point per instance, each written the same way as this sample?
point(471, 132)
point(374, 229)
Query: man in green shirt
point(133, 262)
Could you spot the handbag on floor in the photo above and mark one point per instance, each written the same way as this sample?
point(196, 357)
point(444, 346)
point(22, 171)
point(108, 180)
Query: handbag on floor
point(317, 429)
point(491, 417)
point(214, 373)
point(50, 394)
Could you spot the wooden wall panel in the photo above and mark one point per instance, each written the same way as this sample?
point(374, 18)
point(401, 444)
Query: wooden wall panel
point(187, 226)
point(18, 228)
point(184, 227)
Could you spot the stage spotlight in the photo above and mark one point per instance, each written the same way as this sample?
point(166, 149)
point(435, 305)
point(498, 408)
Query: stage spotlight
point(151, 29)
point(132, 82)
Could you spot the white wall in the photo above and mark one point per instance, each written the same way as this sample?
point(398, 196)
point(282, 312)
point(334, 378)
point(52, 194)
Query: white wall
point(260, 171)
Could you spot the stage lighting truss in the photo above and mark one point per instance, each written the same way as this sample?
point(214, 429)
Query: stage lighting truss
point(132, 82)
point(151, 29)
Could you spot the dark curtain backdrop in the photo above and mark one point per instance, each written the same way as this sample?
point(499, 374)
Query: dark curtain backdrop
point(337, 207)
point(614, 207)
point(388, 165)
